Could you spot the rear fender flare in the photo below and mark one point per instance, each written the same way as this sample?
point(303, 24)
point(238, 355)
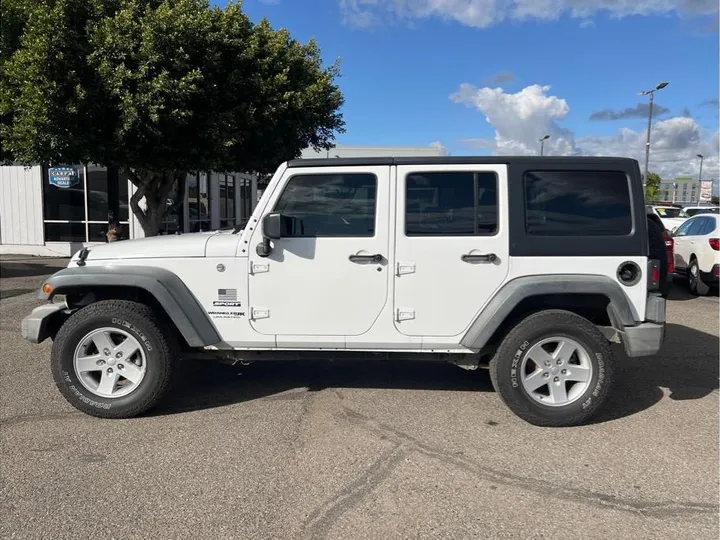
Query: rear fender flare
point(515, 291)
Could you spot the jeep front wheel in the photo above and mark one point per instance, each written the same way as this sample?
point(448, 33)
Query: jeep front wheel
point(112, 359)
point(553, 369)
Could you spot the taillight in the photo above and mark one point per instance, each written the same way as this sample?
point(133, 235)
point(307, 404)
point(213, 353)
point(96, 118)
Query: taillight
point(669, 248)
point(715, 243)
point(656, 275)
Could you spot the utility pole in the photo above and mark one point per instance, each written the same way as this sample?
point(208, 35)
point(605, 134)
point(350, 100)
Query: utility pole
point(542, 143)
point(651, 93)
point(699, 191)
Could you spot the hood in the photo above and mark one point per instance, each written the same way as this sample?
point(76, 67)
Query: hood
point(154, 247)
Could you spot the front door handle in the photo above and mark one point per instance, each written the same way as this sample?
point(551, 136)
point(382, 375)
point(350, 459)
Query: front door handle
point(377, 258)
point(469, 257)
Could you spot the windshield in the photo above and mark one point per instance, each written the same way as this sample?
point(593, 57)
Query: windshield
point(668, 212)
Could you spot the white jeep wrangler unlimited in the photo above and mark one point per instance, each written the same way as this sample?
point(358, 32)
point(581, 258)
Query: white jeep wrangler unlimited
point(527, 265)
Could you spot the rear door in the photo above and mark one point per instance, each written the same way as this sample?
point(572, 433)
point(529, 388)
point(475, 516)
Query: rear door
point(451, 246)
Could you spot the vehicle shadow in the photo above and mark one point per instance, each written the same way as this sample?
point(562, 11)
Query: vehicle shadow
point(24, 268)
point(688, 368)
point(679, 290)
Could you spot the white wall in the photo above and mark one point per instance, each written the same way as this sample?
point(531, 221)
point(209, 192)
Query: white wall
point(21, 205)
point(374, 151)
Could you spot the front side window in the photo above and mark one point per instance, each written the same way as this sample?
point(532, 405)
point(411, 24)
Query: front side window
point(684, 229)
point(460, 203)
point(329, 205)
point(577, 203)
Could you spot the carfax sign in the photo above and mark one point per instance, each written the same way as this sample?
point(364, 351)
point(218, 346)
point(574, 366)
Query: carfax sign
point(63, 177)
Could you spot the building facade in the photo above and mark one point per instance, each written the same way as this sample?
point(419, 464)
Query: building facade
point(55, 211)
point(683, 190)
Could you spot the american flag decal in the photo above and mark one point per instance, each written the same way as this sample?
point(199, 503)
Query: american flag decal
point(227, 295)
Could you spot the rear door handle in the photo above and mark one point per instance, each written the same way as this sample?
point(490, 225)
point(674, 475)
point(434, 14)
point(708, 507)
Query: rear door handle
point(377, 258)
point(468, 257)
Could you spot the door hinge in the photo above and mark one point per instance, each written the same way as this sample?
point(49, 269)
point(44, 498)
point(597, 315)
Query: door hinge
point(259, 268)
point(404, 314)
point(259, 313)
point(405, 268)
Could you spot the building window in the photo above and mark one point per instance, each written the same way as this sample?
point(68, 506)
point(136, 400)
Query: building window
point(199, 202)
point(329, 205)
point(227, 201)
point(173, 219)
point(80, 202)
point(451, 204)
point(577, 203)
point(246, 199)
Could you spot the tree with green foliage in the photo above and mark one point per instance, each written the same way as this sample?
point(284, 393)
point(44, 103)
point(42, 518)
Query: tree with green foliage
point(652, 185)
point(159, 88)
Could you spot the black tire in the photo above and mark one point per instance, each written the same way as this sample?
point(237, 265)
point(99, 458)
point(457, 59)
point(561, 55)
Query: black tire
point(696, 286)
point(140, 322)
point(505, 365)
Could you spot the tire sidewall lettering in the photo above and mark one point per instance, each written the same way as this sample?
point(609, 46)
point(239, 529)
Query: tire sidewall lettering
point(515, 361)
point(81, 396)
point(135, 330)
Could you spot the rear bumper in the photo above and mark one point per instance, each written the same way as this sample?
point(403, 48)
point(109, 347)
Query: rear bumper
point(35, 328)
point(646, 338)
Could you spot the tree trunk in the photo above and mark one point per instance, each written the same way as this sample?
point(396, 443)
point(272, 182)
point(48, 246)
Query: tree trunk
point(155, 187)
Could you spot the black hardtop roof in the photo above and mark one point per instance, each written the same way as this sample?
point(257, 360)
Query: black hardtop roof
point(465, 160)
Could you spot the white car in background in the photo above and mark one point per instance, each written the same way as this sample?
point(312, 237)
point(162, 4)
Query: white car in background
point(690, 211)
point(671, 216)
point(697, 251)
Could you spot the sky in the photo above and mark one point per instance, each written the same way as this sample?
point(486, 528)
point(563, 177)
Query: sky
point(479, 77)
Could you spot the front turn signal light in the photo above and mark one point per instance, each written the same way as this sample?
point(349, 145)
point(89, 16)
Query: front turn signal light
point(47, 288)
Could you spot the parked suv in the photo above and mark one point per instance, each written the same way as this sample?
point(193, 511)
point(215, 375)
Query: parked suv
point(697, 252)
point(528, 266)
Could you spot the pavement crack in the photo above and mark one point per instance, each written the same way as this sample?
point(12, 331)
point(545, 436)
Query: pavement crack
point(30, 418)
point(320, 522)
point(657, 510)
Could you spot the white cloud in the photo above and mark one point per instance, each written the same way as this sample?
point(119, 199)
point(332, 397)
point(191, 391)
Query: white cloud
point(522, 118)
point(484, 13)
point(440, 146)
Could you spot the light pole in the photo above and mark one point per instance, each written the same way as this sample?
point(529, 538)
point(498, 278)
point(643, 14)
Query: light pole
point(647, 144)
point(542, 143)
point(700, 173)
point(700, 176)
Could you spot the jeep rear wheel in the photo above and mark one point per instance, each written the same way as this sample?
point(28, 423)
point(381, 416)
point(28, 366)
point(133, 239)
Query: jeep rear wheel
point(553, 369)
point(112, 359)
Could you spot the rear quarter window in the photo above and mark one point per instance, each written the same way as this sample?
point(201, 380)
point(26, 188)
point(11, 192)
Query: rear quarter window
point(577, 203)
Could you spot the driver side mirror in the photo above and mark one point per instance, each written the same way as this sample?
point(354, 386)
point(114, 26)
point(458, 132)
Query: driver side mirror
point(271, 230)
point(272, 226)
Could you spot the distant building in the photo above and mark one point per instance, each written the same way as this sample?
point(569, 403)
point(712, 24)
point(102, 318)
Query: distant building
point(375, 151)
point(55, 211)
point(682, 190)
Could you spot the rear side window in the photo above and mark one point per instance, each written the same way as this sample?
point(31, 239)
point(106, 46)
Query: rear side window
point(329, 205)
point(577, 203)
point(459, 203)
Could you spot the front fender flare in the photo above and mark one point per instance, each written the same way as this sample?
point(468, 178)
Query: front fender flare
point(166, 287)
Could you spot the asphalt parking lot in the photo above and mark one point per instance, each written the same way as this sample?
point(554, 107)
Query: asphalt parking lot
point(281, 450)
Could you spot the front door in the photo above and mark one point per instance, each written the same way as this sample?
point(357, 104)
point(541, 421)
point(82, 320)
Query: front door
point(683, 242)
point(451, 246)
point(328, 278)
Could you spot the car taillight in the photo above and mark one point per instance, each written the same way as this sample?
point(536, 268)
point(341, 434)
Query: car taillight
point(715, 243)
point(669, 248)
